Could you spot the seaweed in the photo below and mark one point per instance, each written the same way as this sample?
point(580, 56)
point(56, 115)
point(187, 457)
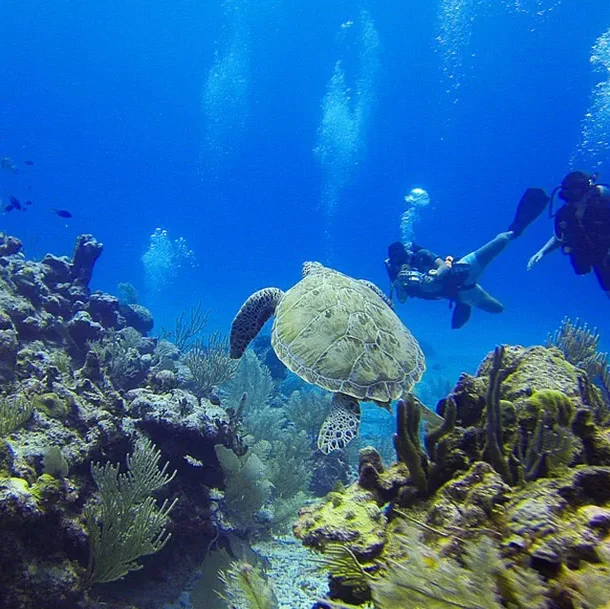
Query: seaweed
point(209, 364)
point(247, 587)
point(127, 523)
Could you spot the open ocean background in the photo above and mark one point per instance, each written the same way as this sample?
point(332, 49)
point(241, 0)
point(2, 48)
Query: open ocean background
point(232, 125)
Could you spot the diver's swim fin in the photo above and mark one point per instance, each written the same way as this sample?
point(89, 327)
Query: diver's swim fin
point(532, 204)
point(461, 314)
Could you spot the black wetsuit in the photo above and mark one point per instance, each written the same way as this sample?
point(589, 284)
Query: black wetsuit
point(420, 262)
point(585, 236)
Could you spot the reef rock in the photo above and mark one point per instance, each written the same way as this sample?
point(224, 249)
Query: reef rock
point(77, 389)
point(522, 478)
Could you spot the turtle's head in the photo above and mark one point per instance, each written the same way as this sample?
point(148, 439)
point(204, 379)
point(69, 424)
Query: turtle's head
point(310, 268)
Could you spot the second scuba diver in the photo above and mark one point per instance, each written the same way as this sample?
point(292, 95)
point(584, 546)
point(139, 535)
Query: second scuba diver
point(582, 227)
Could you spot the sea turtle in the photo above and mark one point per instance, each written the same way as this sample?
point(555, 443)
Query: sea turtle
point(338, 333)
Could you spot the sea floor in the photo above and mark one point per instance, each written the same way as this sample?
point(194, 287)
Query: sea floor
point(297, 578)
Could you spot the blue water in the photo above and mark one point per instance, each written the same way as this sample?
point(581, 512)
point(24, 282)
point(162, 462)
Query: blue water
point(221, 123)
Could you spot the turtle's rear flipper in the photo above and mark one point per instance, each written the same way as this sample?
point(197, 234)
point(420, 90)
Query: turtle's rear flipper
point(341, 425)
point(251, 318)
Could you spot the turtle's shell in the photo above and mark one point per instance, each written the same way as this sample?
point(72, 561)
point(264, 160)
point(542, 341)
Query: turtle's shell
point(336, 332)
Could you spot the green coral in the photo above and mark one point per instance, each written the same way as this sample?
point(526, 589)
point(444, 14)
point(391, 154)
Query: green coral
point(127, 523)
point(422, 465)
point(14, 412)
point(540, 445)
point(209, 364)
point(424, 577)
point(61, 360)
point(54, 462)
point(247, 488)
point(247, 587)
point(548, 447)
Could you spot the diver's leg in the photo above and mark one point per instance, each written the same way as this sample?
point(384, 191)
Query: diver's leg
point(602, 272)
point(477, 297)
point(479, 259)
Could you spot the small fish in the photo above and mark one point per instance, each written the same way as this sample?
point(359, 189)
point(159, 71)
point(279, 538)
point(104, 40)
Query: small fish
point(28, 202)
point(62, 213)
point(14, 202)
point(30, 163)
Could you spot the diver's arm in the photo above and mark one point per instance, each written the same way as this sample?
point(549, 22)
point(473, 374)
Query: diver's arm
point(442, 268)
point(550, 246)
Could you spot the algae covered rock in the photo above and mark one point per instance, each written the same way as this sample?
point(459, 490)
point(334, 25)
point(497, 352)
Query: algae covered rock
point(539, 502)
point(525, 371)
point(351, 516)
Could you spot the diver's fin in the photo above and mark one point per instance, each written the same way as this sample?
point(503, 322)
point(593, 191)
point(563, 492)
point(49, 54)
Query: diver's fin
point(532, 204)
point(461, 314)
point(341, 425)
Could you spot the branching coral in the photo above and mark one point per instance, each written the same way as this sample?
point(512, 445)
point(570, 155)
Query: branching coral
point(246, 586)
point(127, 523)
point(580, 346)
point(209, 364)
point(14, 412)
point(576, 340)
point(186, 330)
point(253, 378)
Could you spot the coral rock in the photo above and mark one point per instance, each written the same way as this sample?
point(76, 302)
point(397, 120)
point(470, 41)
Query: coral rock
point(9, 346)
point(137, 317)
point(83, 329)
point(351, 517)
point(86, 252)
point(9, 246)
point(104, 309)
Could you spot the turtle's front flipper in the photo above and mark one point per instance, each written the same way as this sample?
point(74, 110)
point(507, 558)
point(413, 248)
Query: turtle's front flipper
point(252, 317)
point(341, 425)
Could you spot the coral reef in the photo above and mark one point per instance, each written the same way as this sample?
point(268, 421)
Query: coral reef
point(80, 383)
point(507, 503)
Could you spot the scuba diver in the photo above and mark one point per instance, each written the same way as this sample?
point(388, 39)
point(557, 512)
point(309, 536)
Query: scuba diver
point(419, 273)
point(582, 227)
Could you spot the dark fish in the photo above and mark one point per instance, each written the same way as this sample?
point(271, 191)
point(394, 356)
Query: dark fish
point(15, 202)
point(30, 163)
point(9, 207)
point(28, 202)
point(62, 213)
